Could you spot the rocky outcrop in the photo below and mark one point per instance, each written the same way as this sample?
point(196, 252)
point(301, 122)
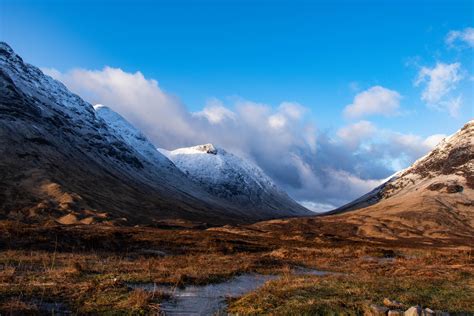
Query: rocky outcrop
point(393, 308)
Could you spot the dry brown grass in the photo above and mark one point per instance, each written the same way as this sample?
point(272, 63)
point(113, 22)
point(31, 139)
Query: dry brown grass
point(88, 269)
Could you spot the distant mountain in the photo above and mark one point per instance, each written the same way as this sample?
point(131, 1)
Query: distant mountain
point(227, 178)
point(63, 161)
point(434, 196)
point(235, 180)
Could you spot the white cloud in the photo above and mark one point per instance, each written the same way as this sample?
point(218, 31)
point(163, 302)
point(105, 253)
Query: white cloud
point(440, 81)
point(140, 100)
point(431, 141)
point(452, 105)
point(317, 207)
point(215, 112)
point(287, 111)
point(292, 110)
point(355, 133)
point(353, 184)
point(277, 121)
point(465, 37)
point(375, 100)
point(409, 146)
point(310, 165)
point(52, 72)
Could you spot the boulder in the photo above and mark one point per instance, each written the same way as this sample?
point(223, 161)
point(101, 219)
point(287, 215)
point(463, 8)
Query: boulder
point(413, 311)
point(395, 312)
point(430, 312)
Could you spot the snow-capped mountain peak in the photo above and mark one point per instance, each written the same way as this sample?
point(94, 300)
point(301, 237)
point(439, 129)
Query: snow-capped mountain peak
point(206, 162)
point(233, 178)
point(199, 149)
point(60, 155)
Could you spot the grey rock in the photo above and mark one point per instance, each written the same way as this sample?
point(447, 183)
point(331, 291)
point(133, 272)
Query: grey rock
point(413, 311)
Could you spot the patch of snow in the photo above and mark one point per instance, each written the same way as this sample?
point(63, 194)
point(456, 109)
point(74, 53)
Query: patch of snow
point(131, 135)
point(229, 176)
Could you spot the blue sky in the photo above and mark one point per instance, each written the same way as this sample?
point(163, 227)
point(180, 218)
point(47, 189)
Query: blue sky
point(319, 54)
point(304, 51)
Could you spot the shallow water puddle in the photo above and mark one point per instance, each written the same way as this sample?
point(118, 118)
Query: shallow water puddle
point(206, 299)
point(51, 308)
point(211, 299)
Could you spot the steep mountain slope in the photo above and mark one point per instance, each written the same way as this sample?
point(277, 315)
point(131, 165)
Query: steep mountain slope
point(234, 179)
point(433, 197)
point(61, 161)
point(132, 137)
point(448, 168)
point(430, 203)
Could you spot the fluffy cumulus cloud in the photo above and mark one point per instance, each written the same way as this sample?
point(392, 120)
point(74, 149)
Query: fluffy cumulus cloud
point(140, 100)
point(355, 133)
point(375, 100)
point(461, 37)
point(406, 146)
point(440, 81)
point(317, 168)
point(288, 112)
point(215, 112)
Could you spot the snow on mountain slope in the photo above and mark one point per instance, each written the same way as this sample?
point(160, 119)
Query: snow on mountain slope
point(451, 163)
point(132, 136)
point(431, 203)
point(234, 179)
point(230, 179)
point(63, 161)
point(448, 168)
point(60, 161)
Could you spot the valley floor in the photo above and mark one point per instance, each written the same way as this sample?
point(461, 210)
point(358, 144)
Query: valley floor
point(88, 269)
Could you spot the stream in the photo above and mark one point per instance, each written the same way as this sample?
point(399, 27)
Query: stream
point(210, 299)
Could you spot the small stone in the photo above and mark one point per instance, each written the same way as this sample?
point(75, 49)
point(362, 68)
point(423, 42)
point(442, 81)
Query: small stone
point(413, 311)
point(377, 310)
point(395, 312)
point(428, 312)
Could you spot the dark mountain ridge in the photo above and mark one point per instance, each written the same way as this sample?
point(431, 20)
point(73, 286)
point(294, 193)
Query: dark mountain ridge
point(59, 161)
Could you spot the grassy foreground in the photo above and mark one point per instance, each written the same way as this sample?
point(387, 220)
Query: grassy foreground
point(353, 294)
point(85, 269)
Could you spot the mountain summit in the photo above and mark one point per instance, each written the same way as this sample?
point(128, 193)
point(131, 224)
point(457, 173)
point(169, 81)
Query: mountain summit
point(434, 196)
point(234, 179)
point(63, 161)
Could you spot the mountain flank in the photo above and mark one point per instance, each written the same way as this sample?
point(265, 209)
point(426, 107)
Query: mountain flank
point(431, 202)
point(62, 161)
